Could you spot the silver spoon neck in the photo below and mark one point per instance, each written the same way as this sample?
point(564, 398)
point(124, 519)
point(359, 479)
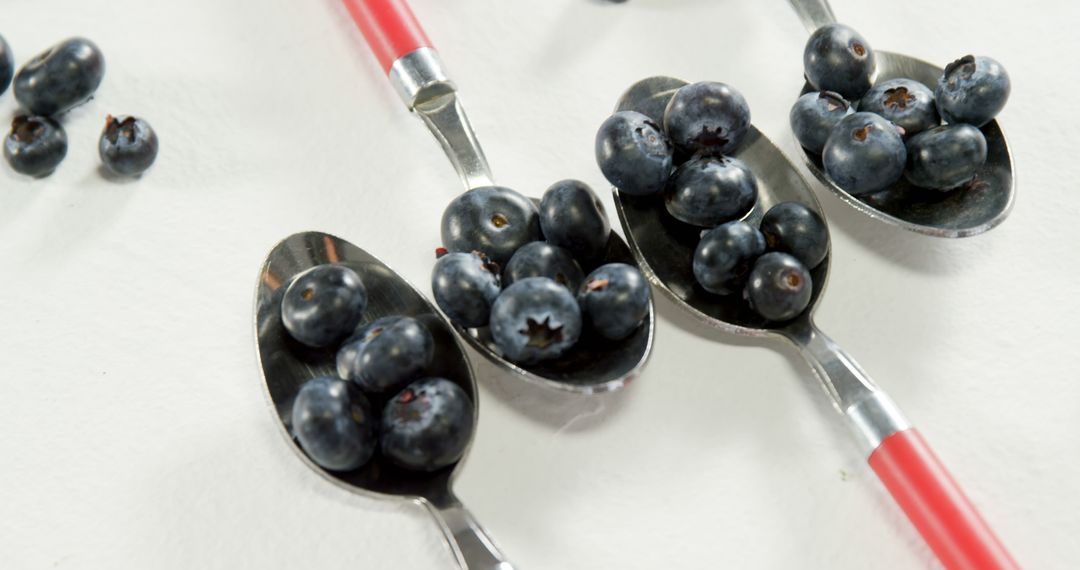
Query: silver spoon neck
point(813, 13)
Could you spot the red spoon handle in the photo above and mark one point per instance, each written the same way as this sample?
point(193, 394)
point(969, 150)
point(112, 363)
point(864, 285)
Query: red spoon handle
point(389, 28)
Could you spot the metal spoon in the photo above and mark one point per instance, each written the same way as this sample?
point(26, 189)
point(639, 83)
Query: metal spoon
point(286, 366)
point(895, 450)
point(414, 69)
point(960, 213)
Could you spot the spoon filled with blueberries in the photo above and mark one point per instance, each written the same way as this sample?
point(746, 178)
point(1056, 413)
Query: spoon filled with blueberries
point(723, 224)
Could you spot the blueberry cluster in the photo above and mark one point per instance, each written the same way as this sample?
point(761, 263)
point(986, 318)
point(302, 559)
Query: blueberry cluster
point(427, 421)
point(518, 269)
point(869, 136)
point(52, 83)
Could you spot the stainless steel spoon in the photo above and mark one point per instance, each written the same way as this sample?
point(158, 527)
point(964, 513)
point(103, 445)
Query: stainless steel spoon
point(286, 365)
point(960, 213)
point(414, 69)
point(902, 460)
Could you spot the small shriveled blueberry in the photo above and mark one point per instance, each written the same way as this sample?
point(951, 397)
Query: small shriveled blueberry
point(572, 217)
point(428, 425)
point(793, 228)
point(614, 300)
point(972, 90)
point(493, 220)
point(633, 153)
point(779, 287)
point(535, 319)
point(707, 118)
point(128, 145)
point(384, 355)
point(465, 285)
point(724, 256)
point(945, 157)
point(906, 102)
point(333, 424)
point(864, 154)
point(541, 259)
point(7, 65)
point(35, 146)
point(323, 304)
point(706, 191)
point(813, 117)
point(837, 58)
point(61, 77)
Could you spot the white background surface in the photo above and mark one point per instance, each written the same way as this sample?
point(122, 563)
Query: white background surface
point(135, 430)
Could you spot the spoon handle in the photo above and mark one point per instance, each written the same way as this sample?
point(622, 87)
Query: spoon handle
point(472, 546)
point(813, 13)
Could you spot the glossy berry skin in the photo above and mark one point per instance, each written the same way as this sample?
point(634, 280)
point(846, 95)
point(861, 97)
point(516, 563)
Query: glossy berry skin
point(61, 77)
point(813, 117)
point(725, 255)
point(572, 217)
point(35, 146)
point(945, 157)
point(793, 228)
point(707, 191)
point(779, 287)
point(535, 319)
point(7, 65)
point(972, 90)
point(128, 145)
point(428, 425)
point(465, 285)
point(906, 102)
point(837, 58)
point(323, 304)
point(541, 259)
point(633, 153)
point(384, 355)
point(333, 424)
point(864, 154)
point(707, 118)
point(493, 220)
point(614, 300)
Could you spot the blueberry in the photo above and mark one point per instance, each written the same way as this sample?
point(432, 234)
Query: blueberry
point(779, 287)
point(838, 59)
point(535, 319)
point(7, 65)
point(864, 154)
point(614, 300)
point(792, 228)
point(493, 220)
point(572, 217)
point(384, 355)
point(945, 157)
point(323, 304)
point(707, 191)
point(61, 77)
point(35, 146)
point(906, 102)
point(724, 256)
point(541, 259)
point(814, 115)
point(633, 153)
point(465, 285)
point(333, 424)
point(708, 118)
point(427, 426)
point(128, 145)
point(972, 90)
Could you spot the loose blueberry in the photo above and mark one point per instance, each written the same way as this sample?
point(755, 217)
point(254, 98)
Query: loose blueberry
point(813, 117)
point(864, 154)
point(465, 285)
point(779, 287)
point(572, 217)
point(128, 145)
point(427, 426)
point(7, 65)
point(323, 304)
point(792, 228)
point(384, 355)
point(493, 220)
point(972, 90)
point(535, 319)
point(61, 77)
point(541, 259)
point(707, 191)
point(906, 102)
point(333, 424)
point(724, 256)
point(614, 300)
point(35, 146)
point(945, 157)
point(708, 118)
point(838, 59)
point(633, 153)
